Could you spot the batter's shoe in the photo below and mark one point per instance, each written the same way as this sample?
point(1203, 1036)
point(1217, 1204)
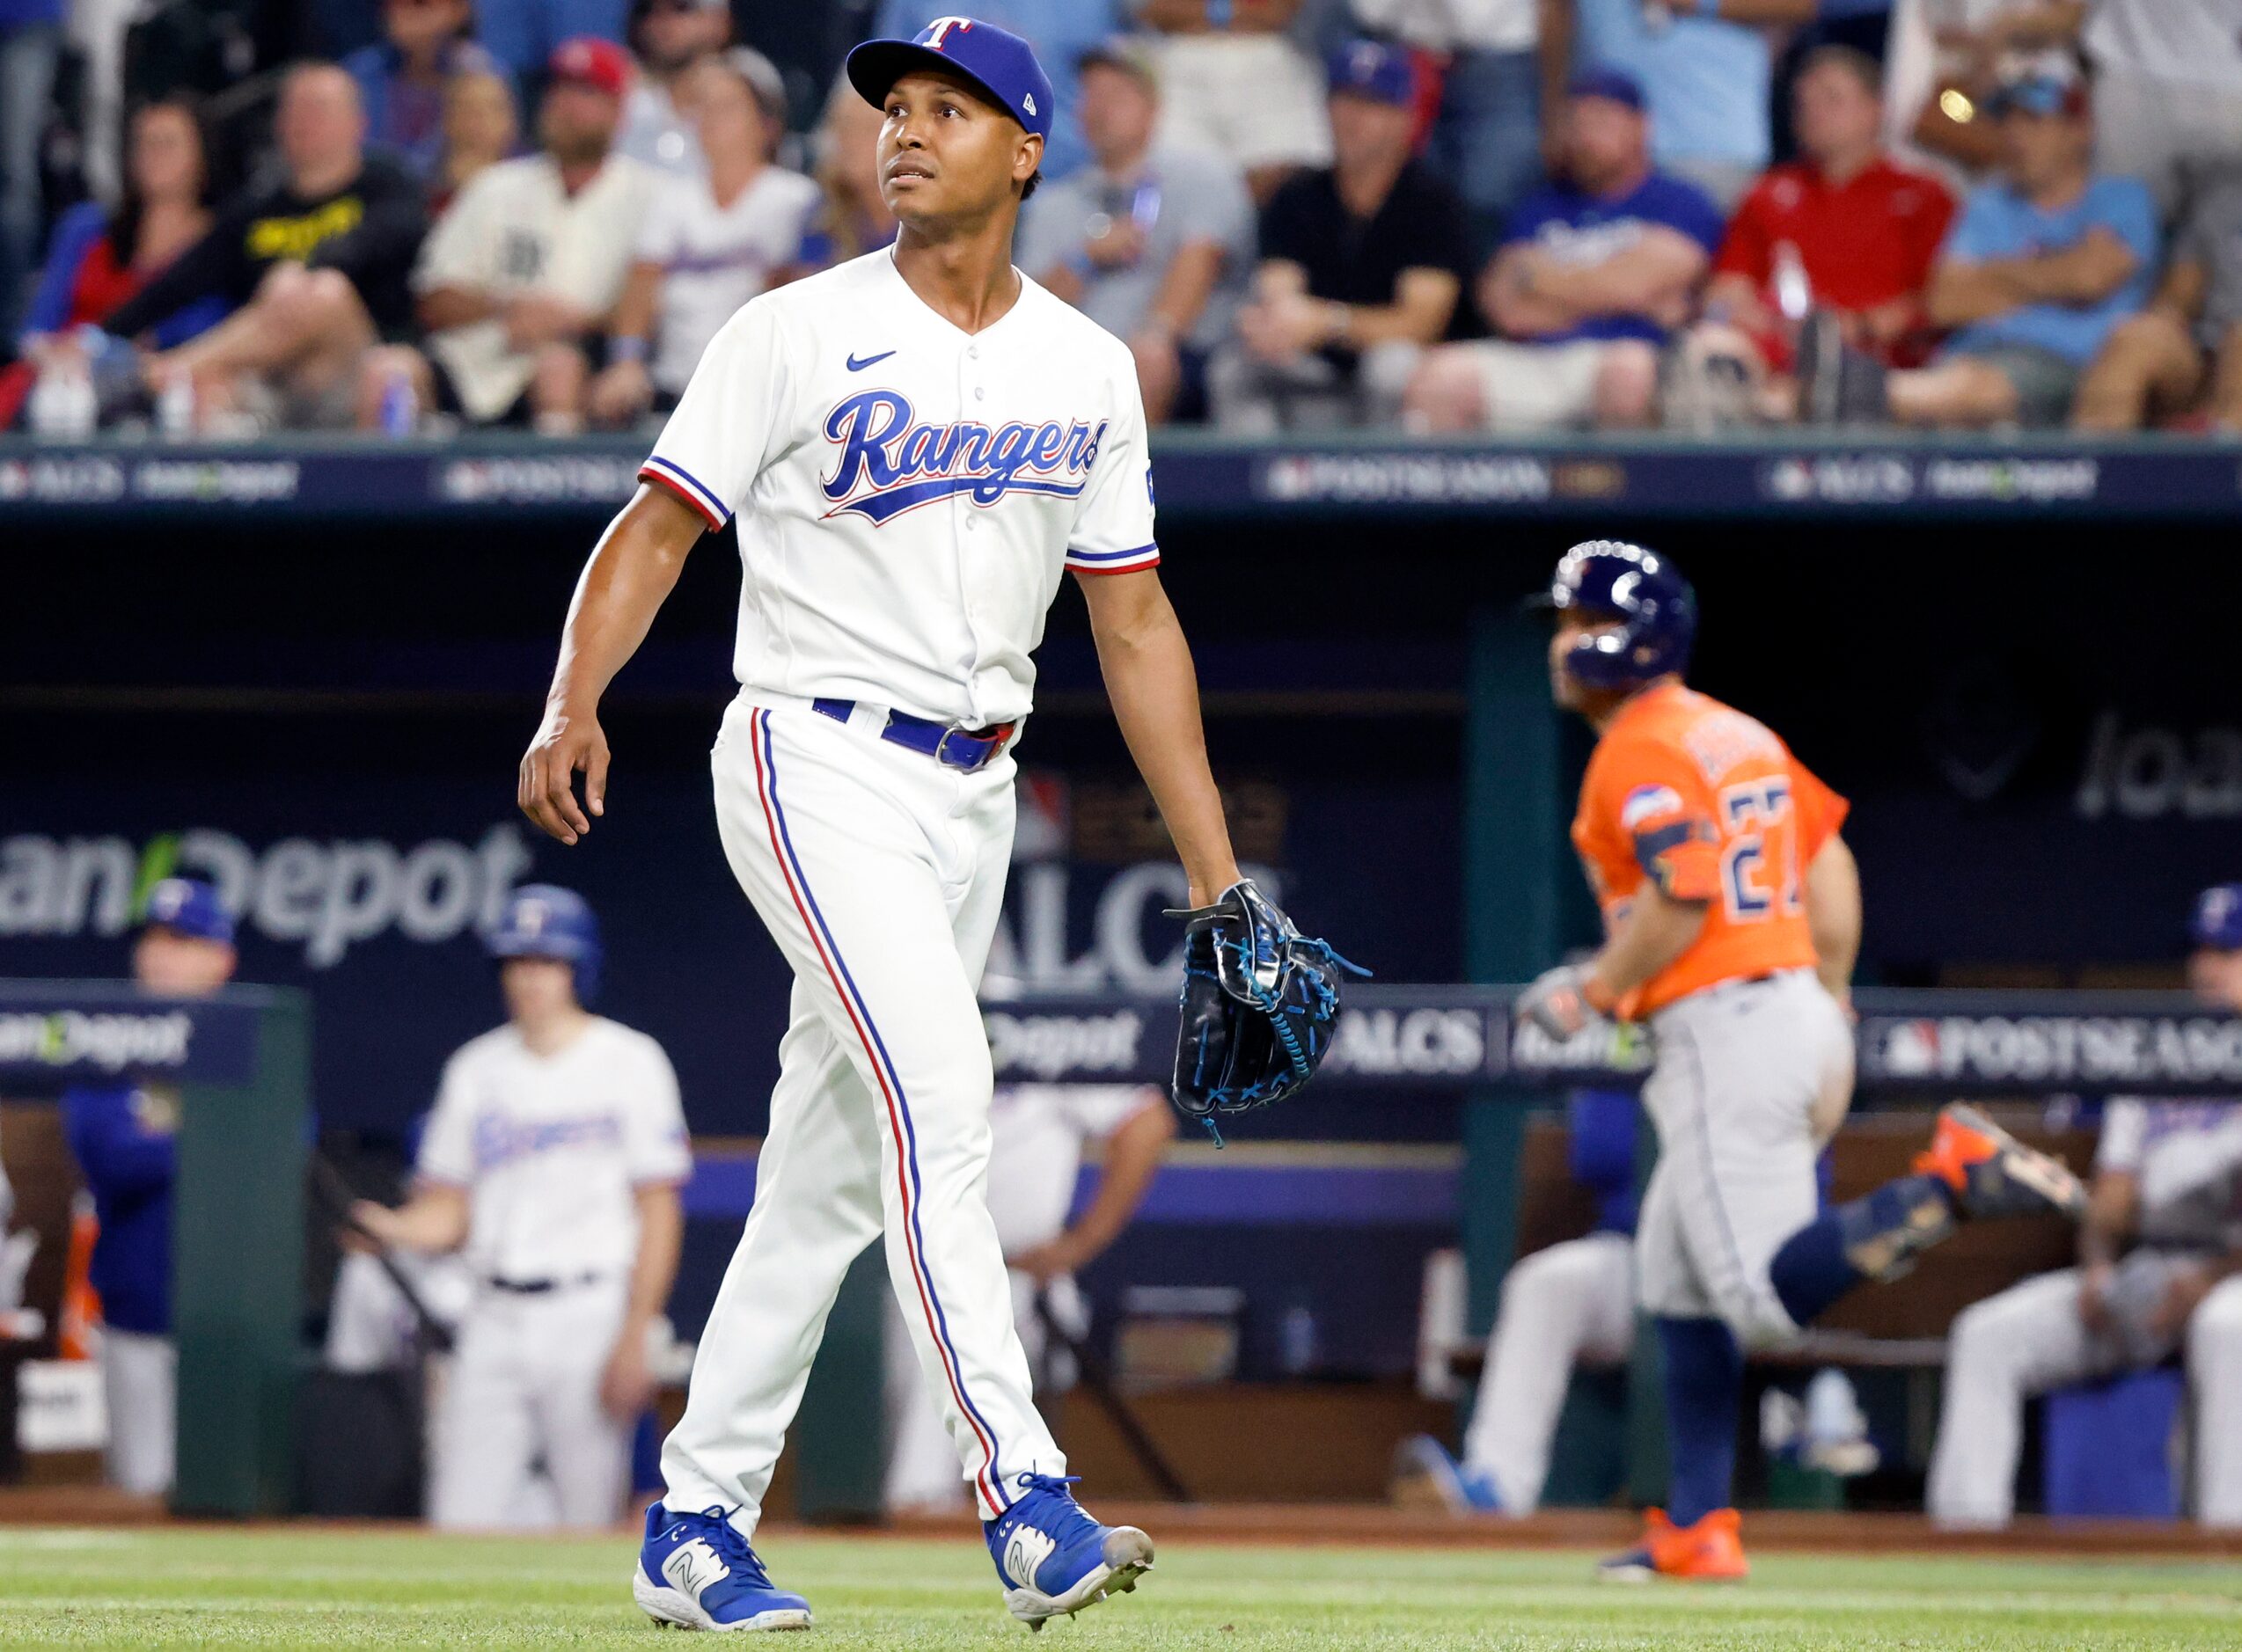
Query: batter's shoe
point(1710, 1552)
point(1422, 1461)
point(1992, 1173)
point(695, 1571)
point(1053, 1559)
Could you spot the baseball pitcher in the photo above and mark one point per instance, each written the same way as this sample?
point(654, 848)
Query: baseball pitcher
point(918, 445)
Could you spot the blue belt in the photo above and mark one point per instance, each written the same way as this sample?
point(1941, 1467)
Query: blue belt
point(966, 748)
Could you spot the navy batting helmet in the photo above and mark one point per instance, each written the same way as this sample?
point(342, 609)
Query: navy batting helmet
point(541, 920)
point(1640, 588)
point(2217, 919)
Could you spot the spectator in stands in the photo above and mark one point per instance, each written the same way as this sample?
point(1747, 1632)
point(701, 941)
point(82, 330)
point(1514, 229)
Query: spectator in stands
point(2188, 341)
point(518, 280)
point(2159, 1264)
point(1153, 244)
point(316, 257)
point(1361, 265)
point(1502, 95)
point(1597, 270)
point(31, 43)
point(1705, 68)
point(524, 34)
point(670, 37)
point(1236, 82)
point(1841, 233)
point(1944, 60)
point(2042, 266)
point(851, 217)
point(2167, 92)
point(97, 259)
point(1059, 29)
point(403, 78)
point(123, 1135)
point(707, 246)
point(479, 129)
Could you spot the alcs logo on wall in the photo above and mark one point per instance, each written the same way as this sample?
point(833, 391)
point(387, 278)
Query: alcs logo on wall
point(327, 896)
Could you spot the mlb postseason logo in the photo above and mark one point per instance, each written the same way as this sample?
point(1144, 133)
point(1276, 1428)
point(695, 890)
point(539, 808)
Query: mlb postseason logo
point(2164, 1054)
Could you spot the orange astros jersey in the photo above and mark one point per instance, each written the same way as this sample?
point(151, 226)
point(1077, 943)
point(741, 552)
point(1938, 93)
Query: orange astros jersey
point(1711, 804)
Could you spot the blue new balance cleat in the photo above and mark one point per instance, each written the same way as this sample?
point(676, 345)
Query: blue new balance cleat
point(1052, 1558)
point(695, 1571)
point(1462, 1489)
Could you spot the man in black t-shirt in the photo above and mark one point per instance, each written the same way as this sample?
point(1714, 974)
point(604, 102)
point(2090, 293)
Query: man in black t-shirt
point(317, 258)
point(1361, 267)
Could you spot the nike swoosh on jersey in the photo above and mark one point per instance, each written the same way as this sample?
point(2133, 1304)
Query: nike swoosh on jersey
point(856, 366)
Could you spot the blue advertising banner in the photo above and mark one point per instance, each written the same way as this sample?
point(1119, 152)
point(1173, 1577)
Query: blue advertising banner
point(372, 890)
point(54, 1034)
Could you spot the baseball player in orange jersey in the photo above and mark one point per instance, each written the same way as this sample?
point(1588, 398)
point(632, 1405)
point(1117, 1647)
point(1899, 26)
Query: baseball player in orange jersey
point(1732, 915)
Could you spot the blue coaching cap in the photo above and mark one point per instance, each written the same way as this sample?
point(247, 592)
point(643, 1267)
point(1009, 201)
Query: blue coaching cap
point(1373, 70)
point(188, 906)
point(1613, 85)
point(543, 920)
point(2217, 921)
point(996, 59)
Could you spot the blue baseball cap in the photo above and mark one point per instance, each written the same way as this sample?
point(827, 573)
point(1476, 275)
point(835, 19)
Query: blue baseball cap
point(1613, 85)
point(995, 60)
point(1373, 70)
point(188, 906)
point(2043, 90)
point(2217, 920)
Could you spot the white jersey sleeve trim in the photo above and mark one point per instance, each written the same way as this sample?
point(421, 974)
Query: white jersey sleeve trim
point(1129, 561)
point(670, 474)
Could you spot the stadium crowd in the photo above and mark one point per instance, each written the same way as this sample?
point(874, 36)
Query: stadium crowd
point(1448, 216)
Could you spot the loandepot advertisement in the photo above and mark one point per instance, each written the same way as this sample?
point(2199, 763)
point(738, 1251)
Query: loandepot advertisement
point(371, 892)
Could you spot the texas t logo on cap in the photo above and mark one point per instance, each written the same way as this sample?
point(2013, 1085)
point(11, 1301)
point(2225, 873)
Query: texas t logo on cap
point(997, 61)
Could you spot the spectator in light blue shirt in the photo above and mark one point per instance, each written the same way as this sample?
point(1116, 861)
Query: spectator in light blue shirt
point(1061, 30)
point(2042, 265)
point(1704, 66)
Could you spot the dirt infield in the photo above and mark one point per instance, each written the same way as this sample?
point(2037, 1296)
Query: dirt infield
point(1789, 1531)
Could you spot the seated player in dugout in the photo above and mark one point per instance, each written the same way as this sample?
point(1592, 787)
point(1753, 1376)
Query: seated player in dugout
point(1733, 917)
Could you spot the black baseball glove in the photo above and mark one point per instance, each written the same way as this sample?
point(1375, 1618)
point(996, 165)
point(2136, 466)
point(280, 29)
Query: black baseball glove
point(1260, 1003)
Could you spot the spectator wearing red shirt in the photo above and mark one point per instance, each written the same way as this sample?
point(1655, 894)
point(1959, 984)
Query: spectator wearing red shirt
point(1844, 231)
point(97, 259)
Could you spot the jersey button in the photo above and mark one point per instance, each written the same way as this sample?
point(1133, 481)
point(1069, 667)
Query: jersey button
point(978, 393)
point(973, 351)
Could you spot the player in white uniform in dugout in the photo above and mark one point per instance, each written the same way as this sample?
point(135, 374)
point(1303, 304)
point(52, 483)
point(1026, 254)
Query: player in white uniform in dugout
point(2159, 1273)
point(553, 1160)
point(920, 444)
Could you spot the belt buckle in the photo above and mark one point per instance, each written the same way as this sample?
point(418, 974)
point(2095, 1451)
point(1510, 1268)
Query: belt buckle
point(941, 750)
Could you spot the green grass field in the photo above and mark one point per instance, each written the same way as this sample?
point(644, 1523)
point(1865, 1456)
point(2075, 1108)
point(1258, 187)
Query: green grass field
point(142, 1588)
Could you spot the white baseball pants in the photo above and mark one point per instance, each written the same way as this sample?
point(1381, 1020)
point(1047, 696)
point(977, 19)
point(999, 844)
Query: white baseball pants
point(2030, 1339)
point(1752, 1079)
point(521, 1404)
point(922, 1460)
point(1569, 1304)
point(140, 1390)
point(880, 873)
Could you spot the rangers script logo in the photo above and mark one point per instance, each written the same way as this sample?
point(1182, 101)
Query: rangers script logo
point(889, 463)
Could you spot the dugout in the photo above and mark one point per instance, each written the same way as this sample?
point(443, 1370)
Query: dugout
point(313, 666)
